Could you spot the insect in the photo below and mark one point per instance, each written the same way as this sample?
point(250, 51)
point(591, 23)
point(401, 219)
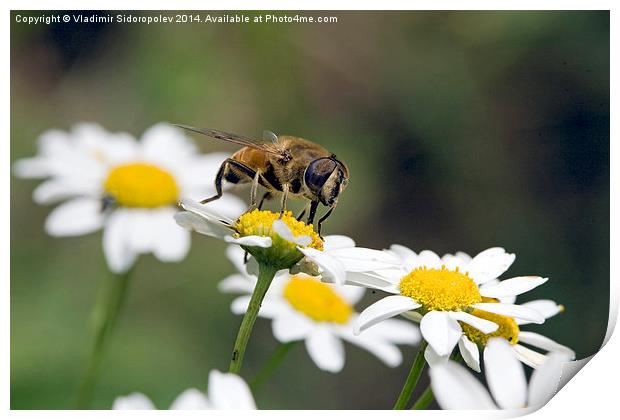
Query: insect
point(286, 165)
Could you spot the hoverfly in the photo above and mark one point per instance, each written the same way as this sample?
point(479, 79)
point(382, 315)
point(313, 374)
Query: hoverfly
point(286, 165)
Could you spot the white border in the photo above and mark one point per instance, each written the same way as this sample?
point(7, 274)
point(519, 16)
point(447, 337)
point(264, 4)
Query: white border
point(588, 394)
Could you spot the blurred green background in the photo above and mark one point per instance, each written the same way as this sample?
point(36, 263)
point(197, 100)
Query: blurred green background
point(462, 130)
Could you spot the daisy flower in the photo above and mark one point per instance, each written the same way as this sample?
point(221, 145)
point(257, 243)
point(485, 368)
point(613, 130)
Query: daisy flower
point(225, 391)
point(272, 239)
point(443, 295)
point(302, 307)
point(510, 330)
point(126, 187)
point(456, 388)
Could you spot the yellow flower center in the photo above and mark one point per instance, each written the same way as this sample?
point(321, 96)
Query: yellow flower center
point(141, 185)
point(440, 289)
point(508, 328)
point(282, 253)
point(317, 300)
point(259, 222)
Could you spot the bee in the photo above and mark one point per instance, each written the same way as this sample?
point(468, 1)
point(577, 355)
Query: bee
point(283, 165)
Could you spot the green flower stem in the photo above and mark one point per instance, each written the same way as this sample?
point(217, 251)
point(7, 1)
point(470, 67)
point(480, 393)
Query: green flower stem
point(412, 378)
point(265, 276)
point(267, 370)
point(425, 399)
point(427, 396)
point(105, 316)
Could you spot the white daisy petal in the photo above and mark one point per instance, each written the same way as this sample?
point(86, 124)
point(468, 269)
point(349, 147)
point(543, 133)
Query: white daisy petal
point(251, 240)
point(456, 389)
point(325, 349)
point(191, 399)
point(490, 264)
point(116, 243)
point(381, 348)
point(505, 375)
point(396, 331)
point(513, 311)
point(508, 299)
point(57, 189)
point(428, 259)
point(101, 145)
point(165, 144)
point(171, 242)
point(286, 233)
point(331, 242)
point(229, 206)
point(291, 327)
point(135, 401)
point(280, 281)
point(432, 358)
point(528, 357)
point(75, 217)
point(486, 326)
point(239, 305)
point(469, 352)
point(351, 294)
point(332, 270)
point(407, 256)
point(441, 331)
point(192, 221)
point(229, 391)
point(452, 262)
point(236, 255)
point(383, 309)
point(204, 167)
point(545, 380)
point(252, 267)
point(545, 307)
point(236, 283)
point(141, 228)
point(412, 316)
point(544, 343)
point(270, 308)
point(493, 282)
point(364, 259)
point(205, 211)
point(36, 167)
point(463, 256)
point(370, 280)
point(512, 287)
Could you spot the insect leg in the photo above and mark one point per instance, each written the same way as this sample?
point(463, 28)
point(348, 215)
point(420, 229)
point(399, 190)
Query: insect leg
point(254, 190)
point(322, 219)
point(303, 211)
point(240, 167)
point(218, 184)
point(266, 196)
point(285, 188)
point(313, 206)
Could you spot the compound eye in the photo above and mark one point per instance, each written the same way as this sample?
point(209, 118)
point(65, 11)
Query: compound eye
point(318, 172)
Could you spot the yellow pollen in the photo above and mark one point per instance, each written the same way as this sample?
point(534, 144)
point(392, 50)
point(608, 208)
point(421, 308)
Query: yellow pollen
point(317, 300)
point(440, 289)
point(141, 185)
point(508, 328)
point(259, 222)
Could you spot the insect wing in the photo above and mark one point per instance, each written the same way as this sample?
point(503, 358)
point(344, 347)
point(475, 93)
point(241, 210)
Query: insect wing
point(270, 147)
point(270, 137)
